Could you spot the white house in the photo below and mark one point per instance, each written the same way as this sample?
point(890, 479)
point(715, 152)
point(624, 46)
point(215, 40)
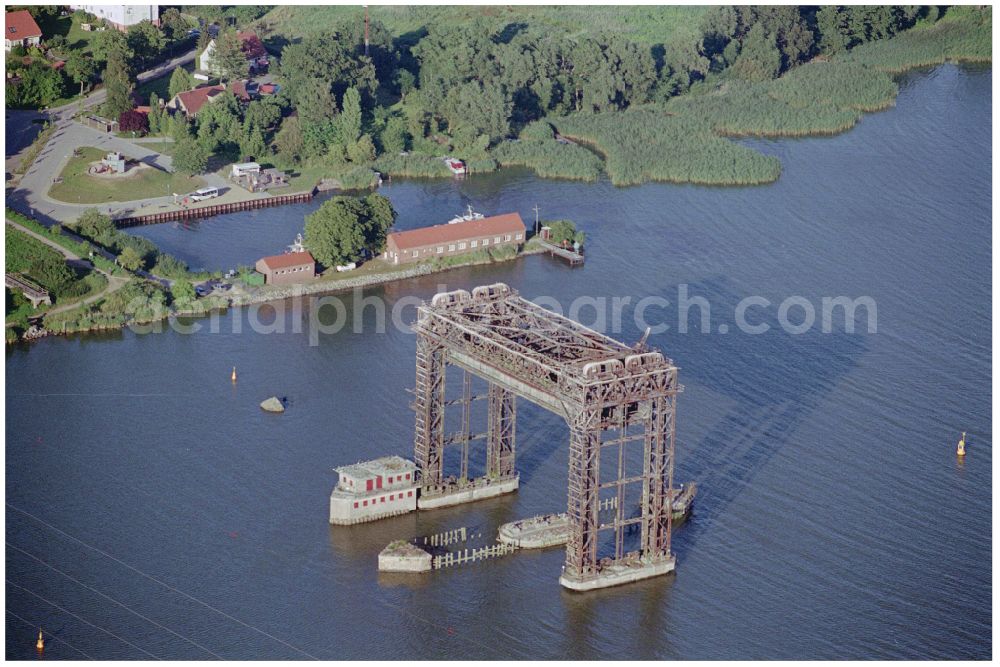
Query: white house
point(123, 16)
point(20, 29)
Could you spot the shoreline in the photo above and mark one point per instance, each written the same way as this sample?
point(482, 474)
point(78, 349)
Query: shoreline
point(317, 287)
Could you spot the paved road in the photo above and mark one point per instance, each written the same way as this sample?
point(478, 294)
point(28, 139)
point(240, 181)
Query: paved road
point(31, 196)
point(97, 97)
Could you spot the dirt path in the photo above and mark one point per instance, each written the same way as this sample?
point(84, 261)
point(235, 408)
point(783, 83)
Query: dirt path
point(114, 282)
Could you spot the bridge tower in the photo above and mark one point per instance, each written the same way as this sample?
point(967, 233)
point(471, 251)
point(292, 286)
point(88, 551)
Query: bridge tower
point(614, 398)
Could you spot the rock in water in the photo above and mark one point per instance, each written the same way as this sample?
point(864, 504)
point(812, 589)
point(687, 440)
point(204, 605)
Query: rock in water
point(273, 405)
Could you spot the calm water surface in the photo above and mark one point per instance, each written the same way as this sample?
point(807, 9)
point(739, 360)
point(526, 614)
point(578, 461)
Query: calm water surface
point(160, 513)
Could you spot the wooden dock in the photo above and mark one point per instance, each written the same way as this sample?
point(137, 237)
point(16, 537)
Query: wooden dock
point(574, 258)
point(208, 211)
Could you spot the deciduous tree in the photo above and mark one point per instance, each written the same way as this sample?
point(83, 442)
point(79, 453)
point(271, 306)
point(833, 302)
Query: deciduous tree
point(130, 259)
point(228, 58)
point(118, 84)
point(190, 156)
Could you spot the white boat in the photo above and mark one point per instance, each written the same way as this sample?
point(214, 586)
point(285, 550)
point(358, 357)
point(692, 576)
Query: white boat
point(470, 215)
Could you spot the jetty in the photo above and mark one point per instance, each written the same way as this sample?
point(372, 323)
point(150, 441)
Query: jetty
point(573, 257)
point(194, 213)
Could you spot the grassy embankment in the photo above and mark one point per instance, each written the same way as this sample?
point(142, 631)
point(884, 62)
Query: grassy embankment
point(139, 300)
point(46, 268)
point(79, 187)
point(684, 140)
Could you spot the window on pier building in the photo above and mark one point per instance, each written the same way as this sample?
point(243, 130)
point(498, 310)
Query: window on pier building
point(355, 506)
point(451, 247)
point(407, 475)
point(496, 240)
point(507, 237)
point(518, 237)
point(473, 243)
point(382, 499)
point(369, 484)
point(440, 249)
point(414, 253)
point(461, 246)
point(409, 494)
point(486, 242)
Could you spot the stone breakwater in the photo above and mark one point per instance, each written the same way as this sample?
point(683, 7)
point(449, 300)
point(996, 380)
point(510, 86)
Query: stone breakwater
point(330, 286)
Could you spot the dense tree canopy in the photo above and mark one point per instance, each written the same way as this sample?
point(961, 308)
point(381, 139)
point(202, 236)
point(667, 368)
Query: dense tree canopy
point(343, 227)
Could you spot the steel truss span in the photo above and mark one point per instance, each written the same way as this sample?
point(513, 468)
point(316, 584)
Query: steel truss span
point(610, 394)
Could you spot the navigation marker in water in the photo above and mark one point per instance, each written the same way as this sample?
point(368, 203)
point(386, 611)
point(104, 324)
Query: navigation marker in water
point(961, 445)
point(234, 375)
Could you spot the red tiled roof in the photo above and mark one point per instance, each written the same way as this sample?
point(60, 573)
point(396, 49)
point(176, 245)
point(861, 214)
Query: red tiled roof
point(194, 100)
point(507, 223)
point(20, 25)
point(287, 260)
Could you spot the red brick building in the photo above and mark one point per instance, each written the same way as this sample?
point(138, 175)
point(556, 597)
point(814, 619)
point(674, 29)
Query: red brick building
point(292, 267)
point(455, 239)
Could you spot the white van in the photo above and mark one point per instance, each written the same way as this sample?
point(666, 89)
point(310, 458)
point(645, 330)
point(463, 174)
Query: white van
point(204, 193)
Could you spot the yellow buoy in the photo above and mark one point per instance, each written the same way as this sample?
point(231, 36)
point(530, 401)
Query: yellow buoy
point(961, 445)
point(40, 644)
point(234, 373)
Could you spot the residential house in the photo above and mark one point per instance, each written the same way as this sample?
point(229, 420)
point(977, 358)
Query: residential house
point(190, 102)
point(454, 239)
point(253, 48)
point(20, 29)
point(123, 16)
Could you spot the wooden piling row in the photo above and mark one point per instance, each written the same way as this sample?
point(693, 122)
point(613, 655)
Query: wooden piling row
point(447, 537)
point(217, 209)
point(472, 555)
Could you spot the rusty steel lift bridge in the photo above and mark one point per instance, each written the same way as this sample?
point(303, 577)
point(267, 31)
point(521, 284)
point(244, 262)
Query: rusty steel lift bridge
point(610, 394)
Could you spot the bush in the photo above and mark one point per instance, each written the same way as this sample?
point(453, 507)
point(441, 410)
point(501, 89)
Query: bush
point(134, 121)
point(169, 266)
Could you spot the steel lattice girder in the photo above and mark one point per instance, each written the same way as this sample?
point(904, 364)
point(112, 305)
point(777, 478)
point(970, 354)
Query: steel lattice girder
point(594, 382)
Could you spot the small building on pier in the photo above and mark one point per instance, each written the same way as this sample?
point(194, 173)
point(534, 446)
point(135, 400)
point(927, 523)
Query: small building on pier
point(454, 239)
point(371, 490)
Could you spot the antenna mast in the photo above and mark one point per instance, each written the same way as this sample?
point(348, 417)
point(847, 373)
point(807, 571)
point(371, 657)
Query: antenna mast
point(536, 219)
point(366, 30)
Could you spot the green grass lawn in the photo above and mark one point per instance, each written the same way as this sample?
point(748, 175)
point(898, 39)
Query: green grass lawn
point(68, 27)
point(645, 24)
point(77, 186)
point(160, 86)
